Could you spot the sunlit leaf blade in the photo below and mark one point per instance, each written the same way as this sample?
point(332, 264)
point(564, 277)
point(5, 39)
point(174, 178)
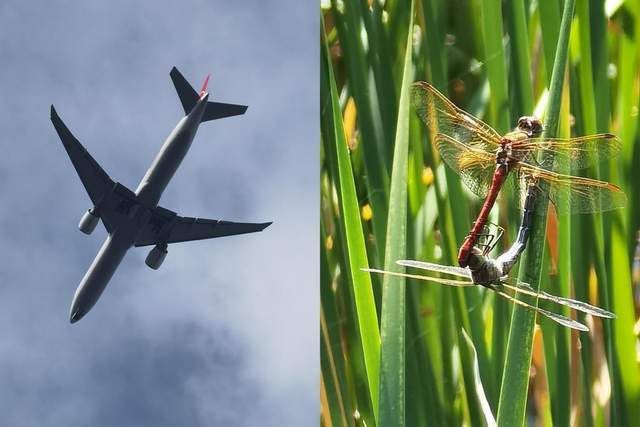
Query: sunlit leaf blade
point(392, 325)
point(347, 18)
point(489, 419)
point(513, 393)
point(353, 237)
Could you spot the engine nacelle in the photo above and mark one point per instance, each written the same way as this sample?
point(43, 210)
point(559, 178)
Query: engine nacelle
point(156, 256)
point(88, 221)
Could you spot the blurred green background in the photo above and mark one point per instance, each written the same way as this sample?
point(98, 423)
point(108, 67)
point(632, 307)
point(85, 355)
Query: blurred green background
point(422, 354)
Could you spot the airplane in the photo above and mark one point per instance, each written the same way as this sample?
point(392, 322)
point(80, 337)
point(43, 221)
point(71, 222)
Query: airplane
point(135, 218)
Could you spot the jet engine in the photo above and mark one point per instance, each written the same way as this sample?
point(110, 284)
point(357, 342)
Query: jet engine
point(156, 256)
point(88, 221)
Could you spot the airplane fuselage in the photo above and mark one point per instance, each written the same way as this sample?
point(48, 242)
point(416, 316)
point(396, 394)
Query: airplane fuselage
point(148, 194)
point(168, 160)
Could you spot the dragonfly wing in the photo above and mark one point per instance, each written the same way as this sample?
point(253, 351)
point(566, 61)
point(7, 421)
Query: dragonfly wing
point(475, 167)
point(438, 280)
point(565, 154)
point(442, 116)
point(568, 302)
point(575, 194)
point(563, 320)
point(436, 268)
point(559, 318)
point(580, 306)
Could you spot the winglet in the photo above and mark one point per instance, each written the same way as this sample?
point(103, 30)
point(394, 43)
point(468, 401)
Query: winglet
point(265, 225)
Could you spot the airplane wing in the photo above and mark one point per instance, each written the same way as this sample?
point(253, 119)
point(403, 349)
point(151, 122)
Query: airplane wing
point(166, 226)
point(111, 198)
point(93, 177)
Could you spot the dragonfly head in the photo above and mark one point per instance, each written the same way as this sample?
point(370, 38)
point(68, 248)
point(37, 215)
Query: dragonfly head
point(530, 125)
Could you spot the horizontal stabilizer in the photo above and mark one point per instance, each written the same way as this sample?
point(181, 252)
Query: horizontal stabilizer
point(189, 97)
point(218, 110)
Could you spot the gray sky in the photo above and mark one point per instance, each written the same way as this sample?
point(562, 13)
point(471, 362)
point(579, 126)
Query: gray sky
point(226, 332)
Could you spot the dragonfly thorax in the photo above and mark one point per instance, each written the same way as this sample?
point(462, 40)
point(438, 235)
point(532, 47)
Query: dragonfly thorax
point(504, 154)
point(484, 270)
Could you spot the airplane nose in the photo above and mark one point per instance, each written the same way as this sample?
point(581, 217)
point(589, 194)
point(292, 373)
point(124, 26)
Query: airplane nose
point(75, 315)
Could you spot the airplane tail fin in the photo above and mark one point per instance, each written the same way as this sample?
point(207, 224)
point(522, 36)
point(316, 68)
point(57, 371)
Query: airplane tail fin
point(189, 97)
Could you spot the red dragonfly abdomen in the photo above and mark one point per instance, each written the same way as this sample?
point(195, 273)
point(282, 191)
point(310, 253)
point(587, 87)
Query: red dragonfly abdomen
point(499, 176)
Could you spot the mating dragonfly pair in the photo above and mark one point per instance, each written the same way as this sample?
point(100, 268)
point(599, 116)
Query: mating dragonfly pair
point(485, 160)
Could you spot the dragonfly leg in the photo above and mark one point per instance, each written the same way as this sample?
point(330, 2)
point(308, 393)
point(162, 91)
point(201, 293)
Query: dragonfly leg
point(488, 239)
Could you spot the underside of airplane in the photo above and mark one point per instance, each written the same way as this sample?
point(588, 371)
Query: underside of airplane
point(115, 203)
point(135, 218)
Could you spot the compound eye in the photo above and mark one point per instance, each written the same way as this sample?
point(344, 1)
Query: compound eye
point(525, 124)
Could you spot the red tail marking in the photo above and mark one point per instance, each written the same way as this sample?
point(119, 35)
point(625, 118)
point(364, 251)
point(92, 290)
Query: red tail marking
point(499, 176)
point(204, 86)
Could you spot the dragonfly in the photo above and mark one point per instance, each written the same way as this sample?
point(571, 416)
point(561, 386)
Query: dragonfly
point(485, 159)
point(484, 269)
point(487, 272)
